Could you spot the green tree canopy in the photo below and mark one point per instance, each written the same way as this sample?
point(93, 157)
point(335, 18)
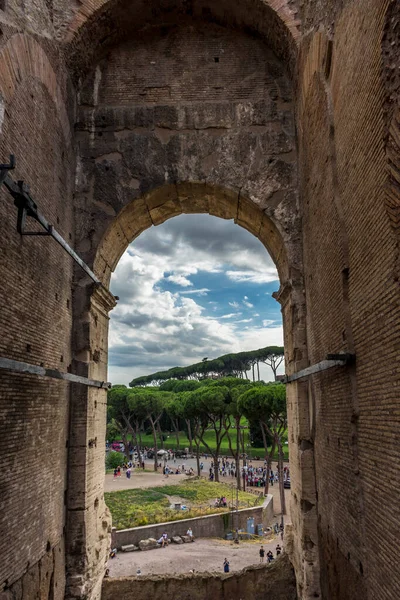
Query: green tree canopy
point(236, 365)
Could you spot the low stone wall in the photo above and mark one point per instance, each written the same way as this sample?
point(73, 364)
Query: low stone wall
point(259, 582)
point(209, 526)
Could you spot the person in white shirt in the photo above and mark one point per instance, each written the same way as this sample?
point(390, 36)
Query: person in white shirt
point(189, 533)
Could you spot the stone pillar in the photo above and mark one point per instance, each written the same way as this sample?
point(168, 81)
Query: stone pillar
point(88, 518)
point(303, 542)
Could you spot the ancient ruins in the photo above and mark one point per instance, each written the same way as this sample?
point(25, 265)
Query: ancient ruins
point(283, 115)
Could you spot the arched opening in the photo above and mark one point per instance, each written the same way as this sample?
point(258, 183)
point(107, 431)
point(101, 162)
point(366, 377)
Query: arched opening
point(163, 129)
point(161, 204)
point(97, 26)
point(195, 286)
point(192, 277)
point(187, 198)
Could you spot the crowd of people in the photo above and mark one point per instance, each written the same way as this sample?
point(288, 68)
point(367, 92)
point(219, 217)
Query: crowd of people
point(253, 476)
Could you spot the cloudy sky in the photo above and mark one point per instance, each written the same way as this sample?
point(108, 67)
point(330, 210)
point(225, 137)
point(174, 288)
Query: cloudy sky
point(194, 287)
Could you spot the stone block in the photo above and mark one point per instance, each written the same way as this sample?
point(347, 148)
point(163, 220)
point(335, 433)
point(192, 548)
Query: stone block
point(177, 540)
point(150, 544)
point(186, 539)
point(129, 548)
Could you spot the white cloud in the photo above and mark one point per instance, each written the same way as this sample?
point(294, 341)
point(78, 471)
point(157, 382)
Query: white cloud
point(234, 304)
point(248, 304)
point(256, 315)
point(267, 322)
point(153, 328)
point(200, 292)
point(179, 280)
point(266, 276)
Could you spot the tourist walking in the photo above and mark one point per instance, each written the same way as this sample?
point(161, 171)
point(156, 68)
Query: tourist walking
point(226, 566)
point(262, 554)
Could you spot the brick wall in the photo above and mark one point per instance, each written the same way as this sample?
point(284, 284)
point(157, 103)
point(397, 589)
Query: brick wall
point(35, 323)
point(131, 143)
point(350, 253)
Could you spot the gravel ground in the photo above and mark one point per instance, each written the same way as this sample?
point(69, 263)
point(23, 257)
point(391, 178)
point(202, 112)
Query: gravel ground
point(139, 480)
point(202, 555)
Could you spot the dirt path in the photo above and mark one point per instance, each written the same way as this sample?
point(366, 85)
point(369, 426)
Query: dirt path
point(202, 555)
point(139, 479)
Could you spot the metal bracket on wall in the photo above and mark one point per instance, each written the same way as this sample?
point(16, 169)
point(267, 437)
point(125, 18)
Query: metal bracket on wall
point(28, 208)
point(5, 167)
point(22, 367)
point(332, 360)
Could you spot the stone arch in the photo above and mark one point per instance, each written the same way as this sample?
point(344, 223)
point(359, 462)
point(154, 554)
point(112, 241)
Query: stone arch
point(146, 158)
point(23, 57)
point(90, 527)
point(98, 25)
point(169, 201)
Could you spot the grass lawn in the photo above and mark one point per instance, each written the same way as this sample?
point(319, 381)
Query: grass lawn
point(132, 508)
point(170, 443)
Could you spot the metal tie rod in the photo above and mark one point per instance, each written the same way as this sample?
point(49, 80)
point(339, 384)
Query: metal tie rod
point(22, 367)
point(28, 208)
point(332, 360)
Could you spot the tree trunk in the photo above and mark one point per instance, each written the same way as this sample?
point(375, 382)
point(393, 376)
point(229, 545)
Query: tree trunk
point(153, 427)
point(140, 436)
point(189, 435)
point(274, 369)
point(264, 437)
point(237, 459)
point(126, 446)
point(160, 434)
point(175, 425)
point(258, 371)
point(280, 472)
point(235, 455)
point(198, 460)
point(215, 454)
point(244, 461)
point(216, 469)
point(138, 445)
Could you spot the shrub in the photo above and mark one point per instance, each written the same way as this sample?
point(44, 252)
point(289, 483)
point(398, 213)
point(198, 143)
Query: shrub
point(114, 459)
